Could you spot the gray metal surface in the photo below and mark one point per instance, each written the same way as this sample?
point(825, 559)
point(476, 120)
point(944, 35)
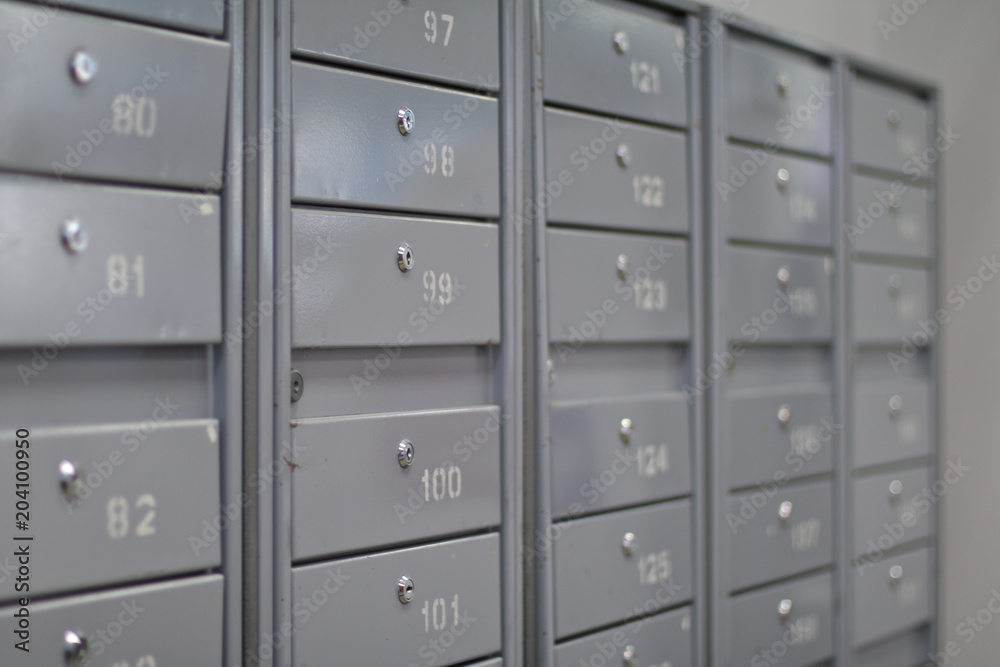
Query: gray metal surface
point(609, 371)
point(890, 303)
point(760, 448)
point(452, 484)
point(356, 293)
point(762, 636)
point(902, 651)
point(454, 614)
point(794, 211)
point(888, 218)
point(765, 547)
point(584, 69)
point(194, 15)
point(154, 112)
point(878, 142)
point(149, 625)
point(884, 605)
point(594, 469)
point(665, 639)
point(150, 272)
point(760, 309)
point(455, 41)
point(589, 301)
point(129, 519)
point(590, 184)
point(890, 511)
point(760, 110)
point(884, 435)
point(596, 582)
point(348, 149)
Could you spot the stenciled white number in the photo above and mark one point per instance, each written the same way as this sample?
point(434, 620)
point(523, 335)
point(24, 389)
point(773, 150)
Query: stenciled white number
point(447, 159)
point(653, 460)
point(144, 661)
point(441, 483)
point(655, 568)
point(438, 287)
point(648, 190)
point(118, 524)
point(431, 23)
point(645, 77)
point(805, 535)
point(132, 116)
point(803, 207)
point(436, 613)
point(119, 277)
point(651, 294)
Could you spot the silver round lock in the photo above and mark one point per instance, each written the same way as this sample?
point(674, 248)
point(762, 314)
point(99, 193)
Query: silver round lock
point(784, 275)
point(297, 385)
point(404, 589)
point(783, 178)
point(628, 656)
point(74, 236)
point(405, 120)
point(69, 479)
point(75, 648)
point(620, 41)
point(784, 415)
point(404, 453)
point(624, 155)
point(622, 266)
point(404, 257)
point(627, 543)
point(83, 67)
point(895, 201)
point(784, 608)
point(895, 284)
point(895, 488)
point(625, 430)
point(784, 85)
point(785, 510)
point(894, 117)
point(895, 405)
point(896, 572)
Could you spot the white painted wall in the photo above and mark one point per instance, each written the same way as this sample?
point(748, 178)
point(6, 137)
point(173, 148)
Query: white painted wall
point(955, 43)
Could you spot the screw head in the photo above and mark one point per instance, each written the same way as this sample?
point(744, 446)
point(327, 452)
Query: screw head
point(624, 155)
point(784, 85)
point(895, 405)
point(622, 266)
point(783, 178)
point(404, 257)
point(785, 510)
point(784, 414)
point(894, 117)
point(74, 236)
point(620, 41)
point(82, 66)
point(298, 385)
point(404, 589)
point(627, 543)
point(404, 453)
point(625, 430)
point(69, 480)
point(896, 572)
point(895, 488)
point(74, 648)
point(784, 608)
point(784, 275)
point(895, 284)
point(628, 656)
point(405, 120)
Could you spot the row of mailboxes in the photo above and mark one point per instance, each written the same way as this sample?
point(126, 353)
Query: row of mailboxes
point(726, 237)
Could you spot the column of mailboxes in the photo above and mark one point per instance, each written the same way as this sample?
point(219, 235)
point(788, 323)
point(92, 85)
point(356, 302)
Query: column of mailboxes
point(892, 490)
point(396, 485)
point(773, 411)
point(110, 262)
point(617, 188)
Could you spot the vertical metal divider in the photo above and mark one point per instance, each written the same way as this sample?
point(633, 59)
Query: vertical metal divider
point(713, 76)
point(228, 364)
point(509, 381)
point(539, 523)
point(933, 371)
point(842, 359)
point(696, 222)
point(278, 103)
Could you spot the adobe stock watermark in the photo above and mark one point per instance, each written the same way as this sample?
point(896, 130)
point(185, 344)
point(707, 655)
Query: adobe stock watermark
point(34, 22)
point(968, 630)
point(900, 15)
